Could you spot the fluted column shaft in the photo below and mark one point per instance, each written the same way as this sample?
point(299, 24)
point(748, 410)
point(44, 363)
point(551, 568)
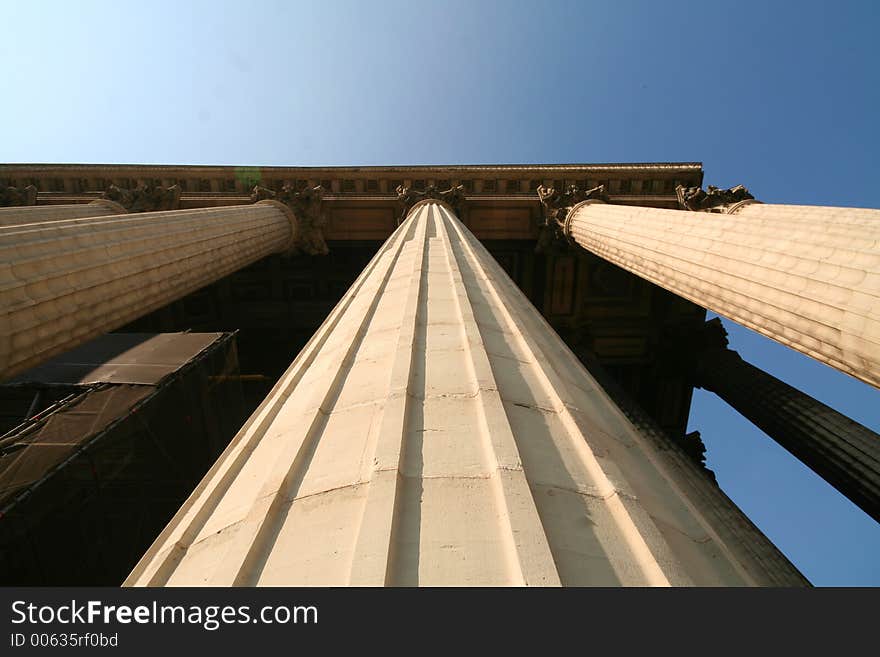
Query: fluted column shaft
point(840, 450)
point(67, 281)
point(30, 214)
point(436, 431)
point(808, 277)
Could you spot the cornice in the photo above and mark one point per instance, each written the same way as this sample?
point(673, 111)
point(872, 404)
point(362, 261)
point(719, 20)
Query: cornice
point(207, 199)
point(421, 168)
point(307, 208)
point(643, 183)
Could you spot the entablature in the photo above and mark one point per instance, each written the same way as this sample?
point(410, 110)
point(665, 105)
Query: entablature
point(362, 202)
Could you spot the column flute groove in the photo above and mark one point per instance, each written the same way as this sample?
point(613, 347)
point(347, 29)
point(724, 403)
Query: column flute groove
point(223, 480)
point(645, 548)
point(246, 555)
point(377, 547)
point(533, 559)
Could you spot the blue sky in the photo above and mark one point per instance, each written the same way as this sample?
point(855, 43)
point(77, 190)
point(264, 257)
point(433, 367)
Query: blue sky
point(780, 96)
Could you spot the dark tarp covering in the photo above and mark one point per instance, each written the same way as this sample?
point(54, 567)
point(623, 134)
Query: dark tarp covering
point(32, 454)
point(87, 484)
point(141, 358)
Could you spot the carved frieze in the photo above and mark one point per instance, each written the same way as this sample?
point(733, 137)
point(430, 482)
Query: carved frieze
point(307, 204)
point(714, 199)
point(145, 198)
point(14, 196)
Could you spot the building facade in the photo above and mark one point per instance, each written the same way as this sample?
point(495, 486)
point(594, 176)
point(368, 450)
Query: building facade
point(461, 375)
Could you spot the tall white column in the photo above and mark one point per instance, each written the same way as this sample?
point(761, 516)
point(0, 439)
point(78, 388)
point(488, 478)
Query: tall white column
point(805, 276)
point(436, 431)
point(64, 282)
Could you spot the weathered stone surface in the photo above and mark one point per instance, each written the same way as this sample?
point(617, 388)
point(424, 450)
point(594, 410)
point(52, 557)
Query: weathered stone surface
point(66, 281)
point(838, 449)
point(437, 431)
point(34, 214)
point(805, 276)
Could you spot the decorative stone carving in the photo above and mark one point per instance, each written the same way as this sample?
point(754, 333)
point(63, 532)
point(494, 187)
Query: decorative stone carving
point(408, 197)
point(714, 199)
point(145, 198)
point(557, 205)
point(16, 196)
point(308, 206)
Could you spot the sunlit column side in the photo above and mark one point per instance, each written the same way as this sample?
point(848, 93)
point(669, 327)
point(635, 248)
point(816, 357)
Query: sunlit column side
point(32, 214)
point(437, 431)
point(843, 452)
point(67, 281)
point(805, 276)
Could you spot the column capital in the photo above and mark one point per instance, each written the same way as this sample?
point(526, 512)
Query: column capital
point(714, 199)
point(144, 198)
point(558, 206)
point(705, 347)
point(15, 196)
point(307, 206)
point(692, 350)
point(408, 198)
point(713, 335)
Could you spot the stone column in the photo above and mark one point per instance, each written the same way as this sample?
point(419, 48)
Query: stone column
point(436, 431)
point(115, 200)
point(65, 282)
point(841, 451)
point(32, 214)
point(808, 277)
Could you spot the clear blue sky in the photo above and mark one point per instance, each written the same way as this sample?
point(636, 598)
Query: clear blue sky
point(783, 97)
